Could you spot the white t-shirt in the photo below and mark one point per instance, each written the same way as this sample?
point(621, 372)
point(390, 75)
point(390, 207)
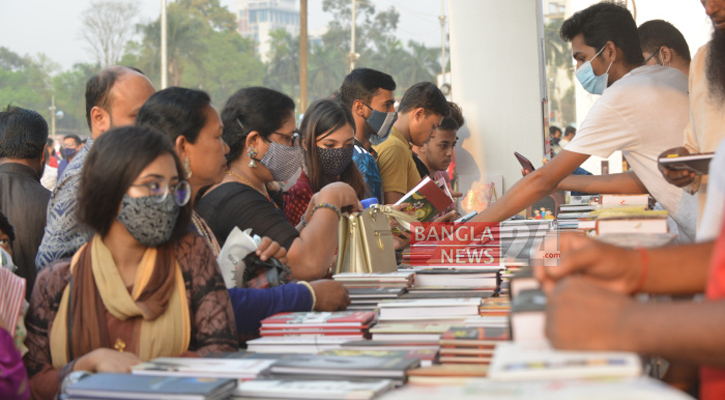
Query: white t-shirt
point(643, 114)
point(712, 216)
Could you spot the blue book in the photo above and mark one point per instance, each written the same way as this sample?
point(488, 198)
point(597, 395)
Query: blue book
point(141, 387)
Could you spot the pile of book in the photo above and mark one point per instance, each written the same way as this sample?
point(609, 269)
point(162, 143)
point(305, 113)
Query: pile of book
point(465, 345)
point(431, 311)
point(449, 282)
point(349, 324)
point(366, 290)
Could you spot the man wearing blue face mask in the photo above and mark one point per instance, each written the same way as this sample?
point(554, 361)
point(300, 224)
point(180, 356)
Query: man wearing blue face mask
point(71, 145)
point(642, 112)
point(369, 95)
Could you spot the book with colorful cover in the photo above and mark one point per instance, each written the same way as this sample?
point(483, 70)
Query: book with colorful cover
point(335, 319)
point(458, 336)
point(426, 200)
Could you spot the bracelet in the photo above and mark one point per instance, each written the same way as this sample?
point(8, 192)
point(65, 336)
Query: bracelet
point(326, 205)
point(312, 292)
point(303, 220)
point(645, 268)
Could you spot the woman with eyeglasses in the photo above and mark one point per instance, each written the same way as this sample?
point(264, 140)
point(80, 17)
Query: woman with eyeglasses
point(143, 286)
point(187, 117)
point(259, 127)
point(328, 132)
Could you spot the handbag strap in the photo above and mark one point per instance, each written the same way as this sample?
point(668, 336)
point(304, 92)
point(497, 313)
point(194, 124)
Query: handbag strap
point(402, 218)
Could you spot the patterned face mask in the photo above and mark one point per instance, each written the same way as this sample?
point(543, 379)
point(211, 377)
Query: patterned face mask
point(282, 161)
point(150, 222)
point(334, 161)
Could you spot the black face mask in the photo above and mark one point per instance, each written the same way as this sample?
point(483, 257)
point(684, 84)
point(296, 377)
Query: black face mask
point(334, 161)
point(149, 222)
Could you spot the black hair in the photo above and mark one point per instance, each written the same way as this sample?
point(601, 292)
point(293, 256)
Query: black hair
point(605, 22)
point(569, 129)
point(327, 116)
point(98, 89)
point(657, 33)
point(363, 84)
point(113, 164)
point(455, 120)
point(176, 112)
point(253, 109)
point(427, 96)
point(74, 137)
point(553, 129)
point(23, 133)
point(7, 228)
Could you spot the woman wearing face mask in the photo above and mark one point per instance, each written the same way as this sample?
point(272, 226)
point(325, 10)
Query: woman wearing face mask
point(328, 132)
point(187, 117)
point(143, 286)
point(260, 129)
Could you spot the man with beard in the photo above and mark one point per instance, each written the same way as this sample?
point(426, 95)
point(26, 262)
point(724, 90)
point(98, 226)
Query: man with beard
point(113, 98)
point(707, 122)
point(596, 276)
point(23, 138)
point(369, 94)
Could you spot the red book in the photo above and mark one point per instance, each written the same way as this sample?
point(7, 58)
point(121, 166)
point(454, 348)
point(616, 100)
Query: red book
point(338, 319)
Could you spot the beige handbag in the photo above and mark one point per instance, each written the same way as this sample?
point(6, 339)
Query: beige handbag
point(365, 241)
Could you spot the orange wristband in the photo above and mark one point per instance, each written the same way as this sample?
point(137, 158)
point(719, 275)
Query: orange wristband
point(645, 268)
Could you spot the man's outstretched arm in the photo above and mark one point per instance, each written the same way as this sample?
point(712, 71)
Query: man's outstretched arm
point(533, 187)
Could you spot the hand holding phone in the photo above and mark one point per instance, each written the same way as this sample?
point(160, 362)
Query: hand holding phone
point(525, 163)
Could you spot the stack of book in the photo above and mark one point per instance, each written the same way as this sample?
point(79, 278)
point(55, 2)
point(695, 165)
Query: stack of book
point(295, 344)
point(461, 345)
point(366, 290)
point(402, 332)
point(431, 311)
point(426, 356)
point(349, 324)
point(442, 283)
point(575, 217)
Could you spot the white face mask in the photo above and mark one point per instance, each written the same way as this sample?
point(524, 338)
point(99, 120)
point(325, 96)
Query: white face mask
point(590, 81)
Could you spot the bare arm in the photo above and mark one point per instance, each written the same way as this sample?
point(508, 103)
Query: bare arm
point(532, 187)
point(622, 183)
point(671, 270)
point(312, 253)
point(684, 331)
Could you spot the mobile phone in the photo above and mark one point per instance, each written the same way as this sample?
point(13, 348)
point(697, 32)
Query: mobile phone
point(525, 163)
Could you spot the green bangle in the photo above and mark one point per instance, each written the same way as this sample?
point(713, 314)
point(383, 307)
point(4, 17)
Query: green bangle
point(326, 205)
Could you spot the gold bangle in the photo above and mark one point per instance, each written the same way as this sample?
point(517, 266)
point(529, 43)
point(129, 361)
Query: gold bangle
point(312, 292)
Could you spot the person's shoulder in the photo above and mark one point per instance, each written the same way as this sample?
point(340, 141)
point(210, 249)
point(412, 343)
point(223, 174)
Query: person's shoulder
point(56, 275)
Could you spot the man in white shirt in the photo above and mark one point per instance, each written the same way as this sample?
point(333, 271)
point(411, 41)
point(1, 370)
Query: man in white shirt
point(642, 112)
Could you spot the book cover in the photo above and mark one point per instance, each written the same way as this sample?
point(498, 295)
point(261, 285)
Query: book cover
point(313, 389)
point(203, 367)
point(319, 319)
point(426, 200)
point(530, 361)
point(394, 367)
point(130, 386)
point(458, 335)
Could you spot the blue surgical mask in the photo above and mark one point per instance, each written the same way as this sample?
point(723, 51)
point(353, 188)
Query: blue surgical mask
point(590, 81)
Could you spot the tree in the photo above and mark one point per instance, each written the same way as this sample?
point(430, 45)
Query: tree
point(284, 62)
point(106, 27)
point(218, 17)
point(25, 81)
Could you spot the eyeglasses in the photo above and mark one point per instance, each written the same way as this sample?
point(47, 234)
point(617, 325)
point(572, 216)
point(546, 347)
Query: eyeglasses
point(159, 188)
point(292, 140)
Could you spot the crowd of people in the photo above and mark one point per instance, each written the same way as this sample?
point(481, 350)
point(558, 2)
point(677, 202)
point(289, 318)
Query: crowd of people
point(117, 263)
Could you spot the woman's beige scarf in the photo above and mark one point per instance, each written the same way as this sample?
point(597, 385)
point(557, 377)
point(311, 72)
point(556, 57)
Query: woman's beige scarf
point(159, 297)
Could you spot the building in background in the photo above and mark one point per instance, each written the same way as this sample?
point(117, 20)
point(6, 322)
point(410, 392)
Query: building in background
point(257, 18)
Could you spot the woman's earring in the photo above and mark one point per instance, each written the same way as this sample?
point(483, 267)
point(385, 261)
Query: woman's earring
point(252, 152)
point(187, 168)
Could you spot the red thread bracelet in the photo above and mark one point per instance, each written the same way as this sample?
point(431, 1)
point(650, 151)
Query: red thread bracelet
point(645, 268)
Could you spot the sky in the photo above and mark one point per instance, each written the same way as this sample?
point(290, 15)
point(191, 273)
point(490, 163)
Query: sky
point(53, 27)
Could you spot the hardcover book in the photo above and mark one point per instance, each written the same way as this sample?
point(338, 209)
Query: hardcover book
point(360, 366)
point(203, 367)
point(426, 200)
point(141, 387)
point(313, 389)
point(336, 319)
